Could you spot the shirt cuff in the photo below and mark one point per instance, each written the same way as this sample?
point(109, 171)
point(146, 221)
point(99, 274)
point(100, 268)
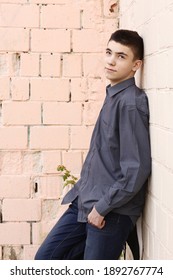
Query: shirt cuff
point(102, 207)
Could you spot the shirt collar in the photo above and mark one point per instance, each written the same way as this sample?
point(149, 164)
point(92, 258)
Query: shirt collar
point(112, 90)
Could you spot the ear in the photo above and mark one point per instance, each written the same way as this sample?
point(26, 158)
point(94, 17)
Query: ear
point(137, 64)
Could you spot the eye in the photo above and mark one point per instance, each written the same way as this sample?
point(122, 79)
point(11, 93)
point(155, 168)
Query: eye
point(121, 56)
point(108, 52)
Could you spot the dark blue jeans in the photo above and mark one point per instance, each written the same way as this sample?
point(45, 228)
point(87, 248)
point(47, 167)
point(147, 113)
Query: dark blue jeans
point(72, 240)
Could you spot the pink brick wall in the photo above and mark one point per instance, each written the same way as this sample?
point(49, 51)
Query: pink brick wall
point(52, 87)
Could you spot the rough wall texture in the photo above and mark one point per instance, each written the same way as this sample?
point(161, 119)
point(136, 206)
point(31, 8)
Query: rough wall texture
point(154, 21)
point(51, 89)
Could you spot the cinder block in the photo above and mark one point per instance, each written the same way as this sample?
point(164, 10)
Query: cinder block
point(14, 39)
point(91, 16)
point(19, 16)
point(50, 89)
point(50, 1)
point(21, 113)
point(20, 89)
point(50, 187)
point(72, 160)
point(50, 161)
point(91, 112)
point(62, 113)
point(50, 40)
point(14, 187)
point(11, 162)
point(87, 40)
point(72, 65)
point(13, 138)
point(49, 137)
point(5, 88)
point(29, 65)
point(79, 89)
point(93, 65)
point(80, 137)
point(41, 230)
point(65, 16)
point(50, 65)
point(25, 210)
point(14, 233)
point(29, 252)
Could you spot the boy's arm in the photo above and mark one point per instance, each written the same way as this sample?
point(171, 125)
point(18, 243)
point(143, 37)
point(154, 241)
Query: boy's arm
point(134, 160)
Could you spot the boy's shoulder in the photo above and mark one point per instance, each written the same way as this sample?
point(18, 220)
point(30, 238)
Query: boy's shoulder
point(133, 96)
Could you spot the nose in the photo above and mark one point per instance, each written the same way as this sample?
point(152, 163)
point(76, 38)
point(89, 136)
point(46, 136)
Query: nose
point(111, 60)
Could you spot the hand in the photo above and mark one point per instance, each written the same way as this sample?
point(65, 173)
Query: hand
point(95, 219)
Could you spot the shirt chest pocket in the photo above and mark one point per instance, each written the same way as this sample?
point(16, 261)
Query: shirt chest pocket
point(108, 119)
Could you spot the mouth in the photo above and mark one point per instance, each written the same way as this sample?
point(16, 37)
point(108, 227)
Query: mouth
point(110, 70)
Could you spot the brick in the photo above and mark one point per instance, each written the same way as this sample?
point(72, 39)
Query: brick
point(31, 162)
point(5, 88)
point(170, 232)
point(50, 40)
point(170, 57)
point(50, 161)
point(150, 213)
point(87, 40)
point(14, 187)
point(96, 89)
point(163, 20)
point(13, 1)
point(12, 252)
point(111, 8)
point(72, 65)
point(29, 252)
point(50, 208)
point(162, 225)
point(156, 180)
point(72, 160)
point(168, 150)
point(14, 39)
point(80, 137)
point(18, 233)
point(21, 113)
point(79, 89)
point(25, 210)
point(50, 89)
point(62, 113)
point(91, 112)
point(50, 1)
point(3, 64)
point(13, 138)
point(93, 65)
point(19, 16)
point(29, 65)
point(41, 230)
point(50, 65)
point(50, 187)
point(20, 89)
point(166, 195)
point(11, 163)
point(58, 13)
point(92, 14)
point(13, 64)
point(54, 137)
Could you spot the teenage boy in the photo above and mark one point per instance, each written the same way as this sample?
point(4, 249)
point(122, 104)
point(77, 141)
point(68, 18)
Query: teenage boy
point(109, 197)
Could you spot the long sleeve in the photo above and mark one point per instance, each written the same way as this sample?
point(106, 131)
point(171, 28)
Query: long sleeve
point(134, 159)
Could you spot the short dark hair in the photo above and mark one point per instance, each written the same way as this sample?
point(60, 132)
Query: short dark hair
point(130, 39)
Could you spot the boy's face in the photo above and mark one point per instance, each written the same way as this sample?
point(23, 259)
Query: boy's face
point(120, 64)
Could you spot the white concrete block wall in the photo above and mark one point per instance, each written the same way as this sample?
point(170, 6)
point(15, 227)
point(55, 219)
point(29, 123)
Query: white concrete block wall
point(154, 20)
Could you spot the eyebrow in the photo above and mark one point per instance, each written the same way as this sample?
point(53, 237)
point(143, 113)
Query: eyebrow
point(120, 53)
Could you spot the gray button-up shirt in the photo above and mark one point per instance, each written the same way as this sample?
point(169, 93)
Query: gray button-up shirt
point(115, 172)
